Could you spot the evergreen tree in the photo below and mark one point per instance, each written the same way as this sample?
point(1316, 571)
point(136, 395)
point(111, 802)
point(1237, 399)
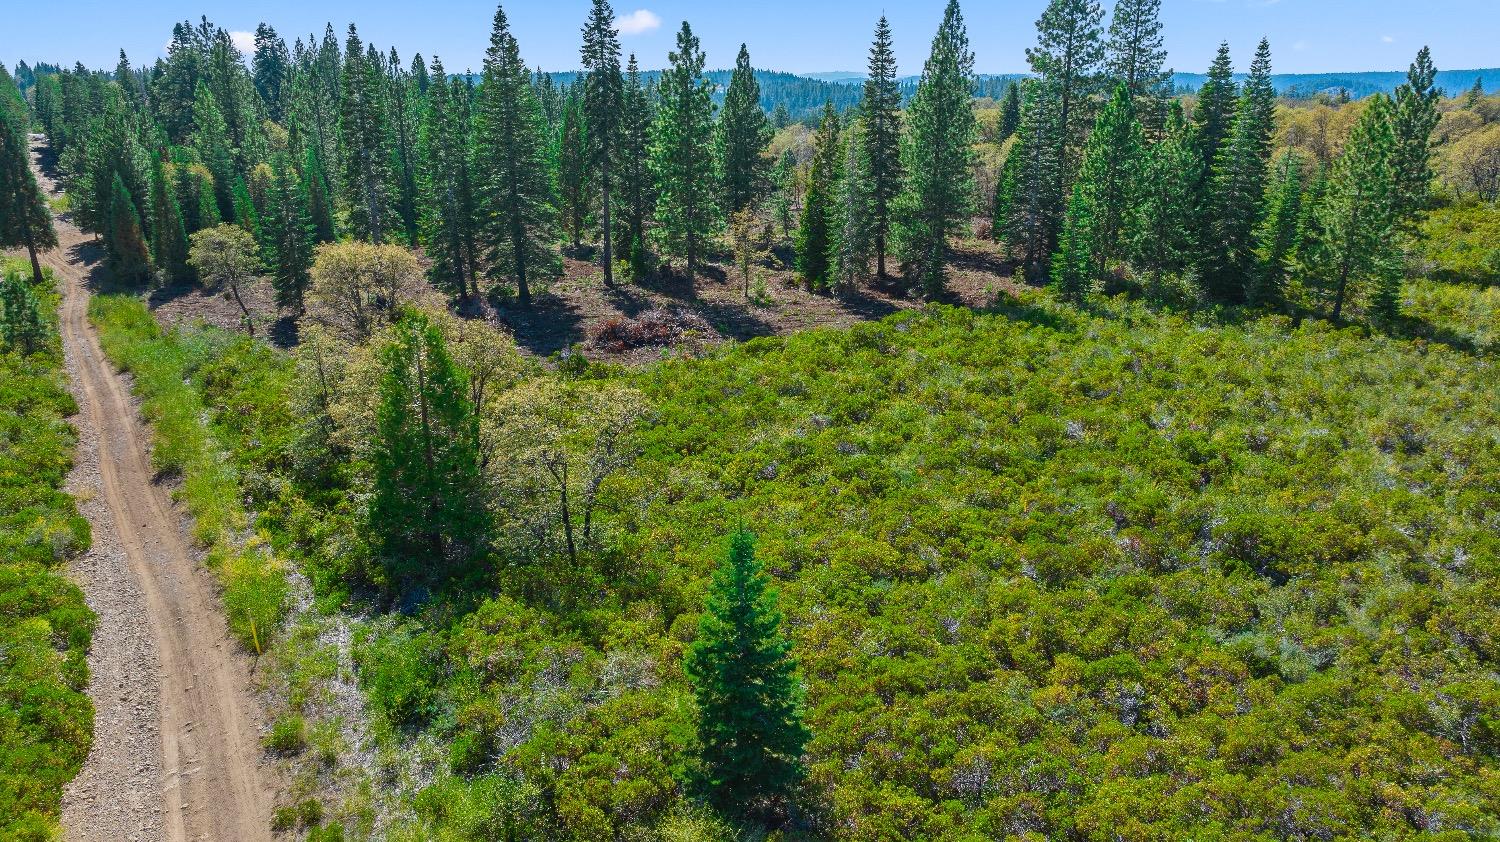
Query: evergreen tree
point(1069, 59)
point(368, 181)
point(1010, 111)
point(937, 155)
point(855, 239)
point(1027, 200)
point(169, 236)
point(449, 213)
point(1136, 57)
point(426, 509)
point(271, 68)
point(1236, 203)
point(744, 679)
point(512, 172)
point(816, 234)
point(603, 105)
point(124, 242)
point(21, 326)
point(245, 214)
point(319, 201)
point(742, 136)
point(784, 176)
point(287, 234)
point(636, 189)
point(211, 139)
point(1414, 121)
point(1276, 238)
point(1355, 249)
point(24, 218)
point(1111, 174)
point(780, 117)
point(130, 83)
point(1163, 227)
point(572, 167)
point(682, 154)
point(1213, 116)
point(405, 106)
point(880, 140)
point(1476, 94)
point(1075, 271)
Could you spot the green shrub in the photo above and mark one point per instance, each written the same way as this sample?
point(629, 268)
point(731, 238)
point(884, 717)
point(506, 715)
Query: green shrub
point(397, 671)
point(288, 734)
point(1462, 243)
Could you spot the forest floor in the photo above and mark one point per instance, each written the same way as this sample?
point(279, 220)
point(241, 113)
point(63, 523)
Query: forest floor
point(176, 752)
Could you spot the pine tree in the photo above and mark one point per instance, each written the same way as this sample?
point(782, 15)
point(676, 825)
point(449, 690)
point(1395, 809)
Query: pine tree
point(1111, 173)
point(319, 201)
point(682, 156)
point(1213, 116)
point(784, 176)
point(169, 243)
point(1010, 111)
point(1075, 270)
point(1355, 249)
point(603, 105)
point(816, 234)
point(124, 242)
point(1136, 58)
point(1236, 203)
point(1027, 200)
point(743, 133)
point(368, 183)
point(24, 218)
point(129, 82)
point(1069, 59)
point(780, 117)
point(1414, 121)
point(880, 141)
point(211, 139)
point(513, 174)
point(744, 679)
point(271, 68)
point(426, 511)
point(405, 107)
point(245, 214)
point(449, 212)
point(855, 239)
point(287, 234)
point(572, 167)
point(1163, 227)
point(1476, 94)
point(637, 199)
point(937, 156)
point(21, 326)
point(1276, 238)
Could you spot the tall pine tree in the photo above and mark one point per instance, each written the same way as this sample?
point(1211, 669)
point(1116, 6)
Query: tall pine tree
point(1213, 116)
point(603, 105)
point(287, 234)
point(124, 242)
point(1415, 118)
point(449, 212)
point(1111, 173)
point(368, 183)
point(1069, 59)
point(1237, 199)
point(573, 167)
point(880, 141)
point(24, 219)
point(637, 191)
point(743, 133)
point(817, 234)
point(1163, 230)
point(682, 154)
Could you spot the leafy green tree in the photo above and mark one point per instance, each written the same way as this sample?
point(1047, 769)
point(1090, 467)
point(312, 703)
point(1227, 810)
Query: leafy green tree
point(169, 236)
point(1213, 116)
point(1164, 225)
point(1111, 173)
point(603, 105)
point(227, 256)
point(287, 232)
point(24, 218)
point(1277, 237)
point(682, 154)
point(743, 133)
point(573, 167)
point(1415, 119)
point(369, 184)
point(449, 211)
point(937, 156)
point(748, 694)
point(511, 167)
point(1075, 269)
point(817, 232)
point(1355, 249)
point(880, 141)
point(21, 326)
point(637, 192)
point(426, 508)
point(124, 241)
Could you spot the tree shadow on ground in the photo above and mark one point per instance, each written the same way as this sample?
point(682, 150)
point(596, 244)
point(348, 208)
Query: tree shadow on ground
point(548, 326)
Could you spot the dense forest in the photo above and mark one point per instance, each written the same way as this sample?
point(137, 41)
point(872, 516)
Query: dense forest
point(1187, 529)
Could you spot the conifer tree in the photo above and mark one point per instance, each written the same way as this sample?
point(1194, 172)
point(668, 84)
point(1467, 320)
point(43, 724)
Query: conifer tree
point(880, 139)
point(405, 106)
point(682, 156)
point(124, 241)
point(287, 234)
point(1027, 200)
point(272, 68)
point(1213, 116)
point(1111, 173)
point(1135, 54)
point(512, 172)
point(21, 326)
point(1276, 238)
point(636, 188)
point(1354, 250)
point(1010, 111)
point(1069, 59)
point(743, 133)
point(1075, 271)
point(129, 82)
point(24, 219)
point(784, 176)
point(816, 234)
point(1163, 227)
point(855, 239)
point(603, 105)
point(368, 182)
point(1476, 94)
point(449, 212)
point(1236, 203)
point(425, 509)
point(1415, 118)
point(211, 139)
point(169, 243)
point(937, 156)
point(572, 167)
point(245, 214)
point(745, 683)
point(319, 196)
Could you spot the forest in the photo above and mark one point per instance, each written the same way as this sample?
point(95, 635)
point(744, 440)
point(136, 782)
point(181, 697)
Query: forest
point(658, 453)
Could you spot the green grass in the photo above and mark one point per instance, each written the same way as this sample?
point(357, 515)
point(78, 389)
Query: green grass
point(46, 720)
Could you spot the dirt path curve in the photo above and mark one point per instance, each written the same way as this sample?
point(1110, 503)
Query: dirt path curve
point(202, 777)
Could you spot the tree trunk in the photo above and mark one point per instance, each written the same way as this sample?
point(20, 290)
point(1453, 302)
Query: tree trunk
point(609, 254)
point(36, 266)
point(880, 256)
point(234, 288)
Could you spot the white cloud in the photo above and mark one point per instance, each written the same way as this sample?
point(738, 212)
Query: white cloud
point(245, 41)
point(1386, 39)
point(638, 21)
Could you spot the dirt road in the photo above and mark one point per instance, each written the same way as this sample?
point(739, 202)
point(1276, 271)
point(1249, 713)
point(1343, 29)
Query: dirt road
point(176, 753)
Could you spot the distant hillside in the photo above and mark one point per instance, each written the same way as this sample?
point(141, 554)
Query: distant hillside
point(1359, 84)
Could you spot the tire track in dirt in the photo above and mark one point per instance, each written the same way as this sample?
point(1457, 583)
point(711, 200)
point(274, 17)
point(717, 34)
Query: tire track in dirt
point(206, 778)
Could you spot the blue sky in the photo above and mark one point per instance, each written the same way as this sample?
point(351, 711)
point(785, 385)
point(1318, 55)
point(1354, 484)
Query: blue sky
point(794, 35)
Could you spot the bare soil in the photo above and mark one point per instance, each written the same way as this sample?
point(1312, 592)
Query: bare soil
point(176, 752)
